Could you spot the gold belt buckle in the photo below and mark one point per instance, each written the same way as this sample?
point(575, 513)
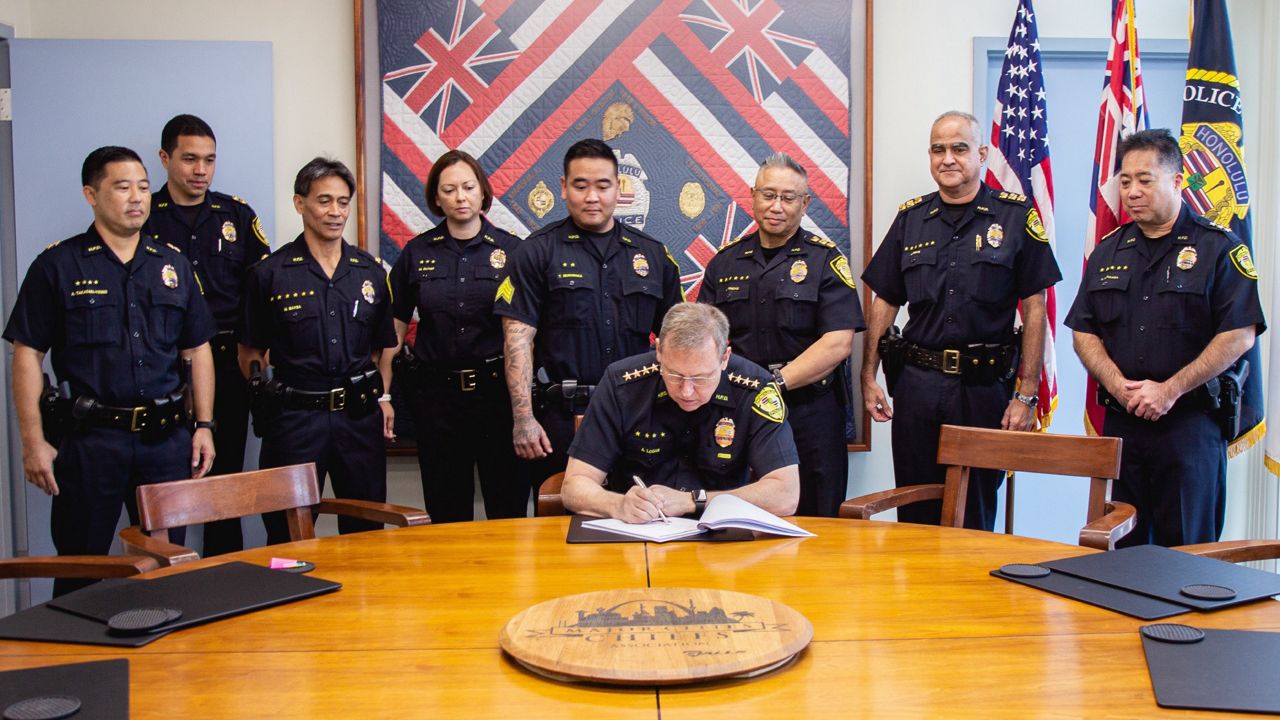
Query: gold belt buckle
point(951, 362)
point(337, 399)
point(134, 418)
point(467, 380)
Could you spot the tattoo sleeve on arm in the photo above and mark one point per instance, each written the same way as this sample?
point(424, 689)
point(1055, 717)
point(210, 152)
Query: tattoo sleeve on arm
point(518, 346)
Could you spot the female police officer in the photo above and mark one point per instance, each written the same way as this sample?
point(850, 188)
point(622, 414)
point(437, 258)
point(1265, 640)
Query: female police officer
point(454, 373)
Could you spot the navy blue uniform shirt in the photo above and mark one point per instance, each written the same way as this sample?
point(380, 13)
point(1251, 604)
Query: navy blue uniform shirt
point(225, 239)
point(452, 285)
point(115, 331)
point(962, 282)
point(633, 427)
point(777, 308)
point(590, 309)
point(319, 330)
point(1156, 304)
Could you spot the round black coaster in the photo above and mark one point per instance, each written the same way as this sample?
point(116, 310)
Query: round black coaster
point(1208, 592)
point(1020, 570)
point(305, 567)
point(141, 620)
point(46, 707)
point(1173, 633)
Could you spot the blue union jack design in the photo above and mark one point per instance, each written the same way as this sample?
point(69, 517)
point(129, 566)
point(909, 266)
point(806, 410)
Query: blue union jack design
point(691, 94)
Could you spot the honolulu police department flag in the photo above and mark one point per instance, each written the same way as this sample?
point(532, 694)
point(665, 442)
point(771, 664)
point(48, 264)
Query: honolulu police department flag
point(1213, 163)
point(691, 94)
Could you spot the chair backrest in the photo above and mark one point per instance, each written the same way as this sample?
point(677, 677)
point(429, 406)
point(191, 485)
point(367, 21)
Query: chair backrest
point(293, 489)
point(963, 448)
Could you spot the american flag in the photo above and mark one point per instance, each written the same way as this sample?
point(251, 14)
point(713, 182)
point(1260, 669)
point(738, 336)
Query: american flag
point(691, 94)
point(1018, 161)
point(1123, 111)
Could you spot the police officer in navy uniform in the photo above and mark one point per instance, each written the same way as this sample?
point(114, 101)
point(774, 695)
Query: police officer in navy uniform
point(793, 309)
point(322, 309)
point(121, 315)
point(221, 236)
point(961, 259)
point(1168, 302)
point(690, 420)
point(592, 290)
point(454, 374)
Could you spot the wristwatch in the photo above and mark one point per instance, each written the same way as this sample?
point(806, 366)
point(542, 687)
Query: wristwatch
point(1029, 400)
point(699, 500)
point(207, 425)
point(778, 379)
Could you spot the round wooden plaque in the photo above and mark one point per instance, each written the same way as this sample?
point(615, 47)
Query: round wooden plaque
point(656, 636)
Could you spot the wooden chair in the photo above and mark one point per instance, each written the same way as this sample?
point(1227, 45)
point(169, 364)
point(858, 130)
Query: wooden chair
point(293, 489)
point(963, 448)
point(549, 502)
point(1235, 551)
point(84, 567)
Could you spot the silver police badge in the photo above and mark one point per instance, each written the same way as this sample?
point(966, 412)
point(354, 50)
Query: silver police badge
point(169, 276)
point(366, 291)
point(497, 259)
point(995, 235)
point(640, 264)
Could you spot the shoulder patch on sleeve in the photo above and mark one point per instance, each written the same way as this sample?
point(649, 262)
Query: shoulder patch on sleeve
point(506, 291)
point(1035, 228)
point(841, 265)
point(641, 372)
point(257, 231)
point(1243, 261)
point(1012, 197)
point(768, 404)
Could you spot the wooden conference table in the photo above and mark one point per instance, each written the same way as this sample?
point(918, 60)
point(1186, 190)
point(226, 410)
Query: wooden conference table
point(907, 623)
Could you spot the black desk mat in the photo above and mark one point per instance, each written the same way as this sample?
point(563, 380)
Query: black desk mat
point(1103, 596)
point(578, 534)
point(1232, 670)
point(1162, 573)
point(202, 595)
point(44, 624)
point(102, 687)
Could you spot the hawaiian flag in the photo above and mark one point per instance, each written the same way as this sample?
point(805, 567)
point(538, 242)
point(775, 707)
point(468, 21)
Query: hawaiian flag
point(1123, 111)
point(1213, 163)
point(691, 94)
point(1018, 161)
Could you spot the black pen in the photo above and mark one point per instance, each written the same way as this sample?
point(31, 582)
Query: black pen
point(640, 484)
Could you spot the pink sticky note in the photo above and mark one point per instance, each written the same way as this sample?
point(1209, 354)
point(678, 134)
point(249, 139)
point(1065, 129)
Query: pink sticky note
point(284, 563)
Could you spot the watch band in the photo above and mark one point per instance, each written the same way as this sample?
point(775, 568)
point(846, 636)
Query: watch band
point(1028, 400)
point(207, 425)
point(778, 379)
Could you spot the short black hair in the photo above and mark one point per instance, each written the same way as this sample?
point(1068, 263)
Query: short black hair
point(181, 125)
point(1158, 140)
point(589, 148)
point(318, 168)
point(453, 157)
point(95, 165)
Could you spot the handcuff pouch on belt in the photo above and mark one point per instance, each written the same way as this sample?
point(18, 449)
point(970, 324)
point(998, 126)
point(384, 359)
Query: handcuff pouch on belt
point(405, 368)
point(893, 355)
point(55, 403)
point(568, 395)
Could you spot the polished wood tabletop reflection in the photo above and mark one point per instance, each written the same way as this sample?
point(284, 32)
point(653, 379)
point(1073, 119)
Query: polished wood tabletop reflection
point(907, 623)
